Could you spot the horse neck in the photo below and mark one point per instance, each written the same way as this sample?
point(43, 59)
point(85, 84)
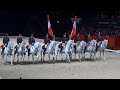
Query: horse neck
point(9, 48)
point(103, 45)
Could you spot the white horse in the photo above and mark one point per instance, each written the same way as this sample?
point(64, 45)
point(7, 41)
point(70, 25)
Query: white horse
point(102, 48)
point(60, 49)
point(67, 50)
point(20, 51)
point(8, 51)
point(50, 50)
point(79, 49)
point(91, 48)
point(34, 51)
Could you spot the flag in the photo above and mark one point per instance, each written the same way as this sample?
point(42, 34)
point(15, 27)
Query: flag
point(50, 32)
point(73, 33)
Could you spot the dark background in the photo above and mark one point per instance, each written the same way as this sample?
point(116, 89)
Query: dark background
point(27, 21)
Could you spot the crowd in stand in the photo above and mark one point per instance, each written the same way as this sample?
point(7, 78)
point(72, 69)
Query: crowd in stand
point(109, 32)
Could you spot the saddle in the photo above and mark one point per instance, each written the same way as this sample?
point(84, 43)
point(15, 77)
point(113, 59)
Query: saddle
point(1, 46)
point(60, 45)
point(27, 46)
point(75, 46)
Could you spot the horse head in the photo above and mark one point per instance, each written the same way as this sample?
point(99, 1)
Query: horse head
point(10, 45)
point(82, 44)
point(104, 43)
point(93, 43)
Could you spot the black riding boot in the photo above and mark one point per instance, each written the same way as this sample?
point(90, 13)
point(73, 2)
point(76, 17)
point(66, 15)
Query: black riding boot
point(44, 51)
point(96, 48)
point(28, 51)
point(85, 49)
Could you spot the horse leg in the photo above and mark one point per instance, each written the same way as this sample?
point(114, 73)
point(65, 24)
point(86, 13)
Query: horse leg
point(62, 57)
point(100, 55)
point(90, 55)
point(49, 57)
point(14, 56)
point(95, 55)
point(41, 56)
point(68, 55)
point(33, 58)
point(79, 57)
point(5, 59)
point(75, 55)
point(37, 57)
point(104, 54)
point(12, 60)
point(83, 56)
point(2, 58)
point(17, 57)
point(53, 58)
point(23, 57)
point(56, 54)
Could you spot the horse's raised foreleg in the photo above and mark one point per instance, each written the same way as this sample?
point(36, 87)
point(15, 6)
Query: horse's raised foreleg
point(68, 55)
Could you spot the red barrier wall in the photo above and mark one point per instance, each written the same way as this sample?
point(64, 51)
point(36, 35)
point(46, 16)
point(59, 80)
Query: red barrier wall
point(114, 42)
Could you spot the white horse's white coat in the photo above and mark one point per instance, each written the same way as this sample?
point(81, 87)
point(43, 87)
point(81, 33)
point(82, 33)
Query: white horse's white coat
point(21, 51)
point(8, 51)
point(34, 50)
point(102, 48)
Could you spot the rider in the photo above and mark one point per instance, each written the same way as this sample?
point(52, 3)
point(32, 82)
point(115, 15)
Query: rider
point(19, 40)
point(99, 40)
point(31, 42)
point(87, 40)
point(64, 41)
point(46, 42)
point(5, 42)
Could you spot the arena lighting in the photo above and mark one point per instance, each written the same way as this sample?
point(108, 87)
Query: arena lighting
point(58, 21)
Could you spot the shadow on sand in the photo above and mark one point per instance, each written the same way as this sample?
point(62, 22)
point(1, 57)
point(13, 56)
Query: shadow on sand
point(51, 62)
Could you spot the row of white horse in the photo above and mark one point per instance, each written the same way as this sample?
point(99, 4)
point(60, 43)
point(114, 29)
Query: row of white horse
point(54, 49)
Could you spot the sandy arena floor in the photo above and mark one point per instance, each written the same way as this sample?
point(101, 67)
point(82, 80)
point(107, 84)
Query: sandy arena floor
point(88, 69)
